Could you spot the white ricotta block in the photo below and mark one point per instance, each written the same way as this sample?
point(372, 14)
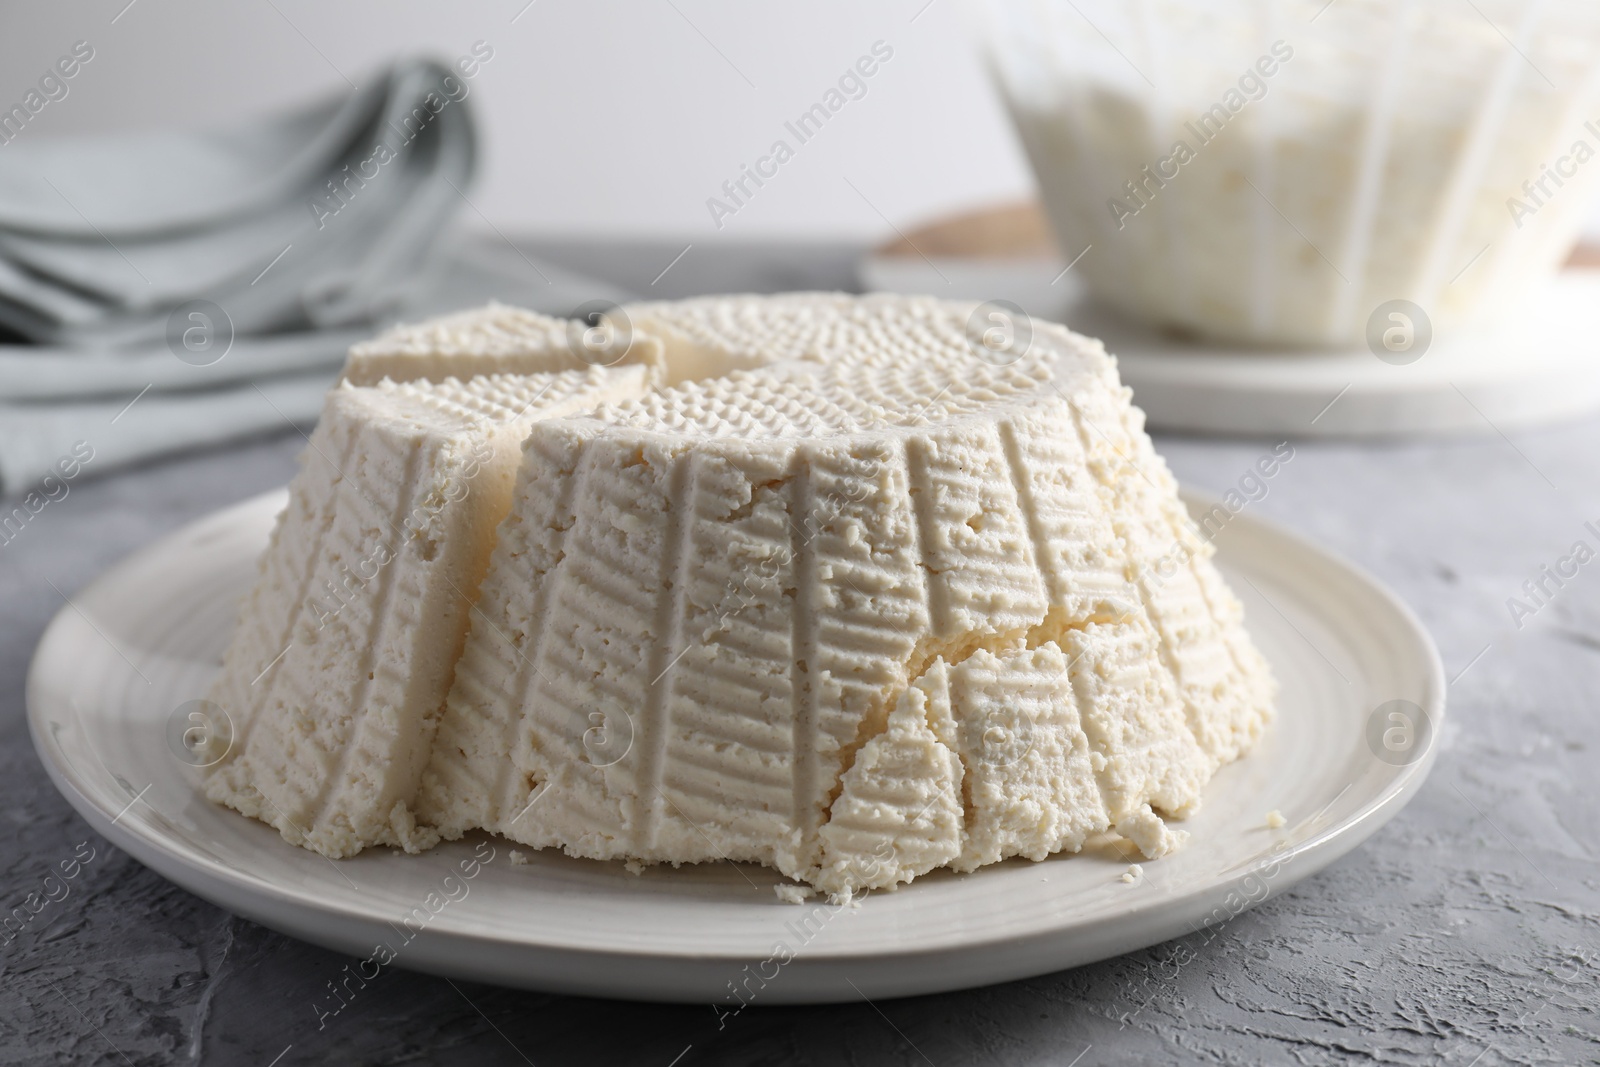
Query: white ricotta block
point(347, 644)
point(857, 598)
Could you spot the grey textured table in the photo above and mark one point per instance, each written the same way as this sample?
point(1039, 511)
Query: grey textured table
point(1465, 932)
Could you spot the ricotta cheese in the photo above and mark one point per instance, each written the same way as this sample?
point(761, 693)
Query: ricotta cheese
point(346, 645)
point(855, 598)
point(1272, 173)
point(496, 340)
point(850, 601)
point(792, 894)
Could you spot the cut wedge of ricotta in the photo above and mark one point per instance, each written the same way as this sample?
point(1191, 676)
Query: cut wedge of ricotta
point(347, 644)
point(497, 340)
point(851, 601)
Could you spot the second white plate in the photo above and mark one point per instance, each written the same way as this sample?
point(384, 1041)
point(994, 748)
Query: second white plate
point(1542, 368)
point(135, 645)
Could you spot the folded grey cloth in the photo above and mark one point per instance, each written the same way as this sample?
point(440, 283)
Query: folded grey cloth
point(192, 271)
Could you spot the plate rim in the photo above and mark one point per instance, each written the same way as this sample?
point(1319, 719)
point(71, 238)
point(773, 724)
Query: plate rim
point(245, 886)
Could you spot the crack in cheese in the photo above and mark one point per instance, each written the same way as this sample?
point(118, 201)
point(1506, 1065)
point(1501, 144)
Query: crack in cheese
point(845, 599)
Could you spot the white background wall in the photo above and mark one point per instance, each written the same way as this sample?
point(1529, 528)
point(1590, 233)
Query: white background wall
point(599, 116)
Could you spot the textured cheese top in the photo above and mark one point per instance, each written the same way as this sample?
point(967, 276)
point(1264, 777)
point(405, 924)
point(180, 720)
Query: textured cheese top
point(871, 606)
point(710, 336)
point(493, 340)
point(715, 335)
point(347, 643)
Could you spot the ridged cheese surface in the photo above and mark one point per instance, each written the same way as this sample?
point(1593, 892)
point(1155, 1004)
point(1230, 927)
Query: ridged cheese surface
point(852, 601)
point(346, 645)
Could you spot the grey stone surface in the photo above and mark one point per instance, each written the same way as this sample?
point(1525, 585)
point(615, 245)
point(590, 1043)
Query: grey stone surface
point(1466, 932)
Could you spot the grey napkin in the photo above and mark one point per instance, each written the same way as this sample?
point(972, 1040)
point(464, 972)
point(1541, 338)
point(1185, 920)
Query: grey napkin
point(170, 291)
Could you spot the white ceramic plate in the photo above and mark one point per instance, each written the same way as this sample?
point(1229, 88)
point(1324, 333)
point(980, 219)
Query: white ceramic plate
point(1538, 369)
point(148, 635)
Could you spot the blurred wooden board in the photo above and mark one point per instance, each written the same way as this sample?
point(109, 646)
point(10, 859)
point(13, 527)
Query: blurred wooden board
point(1006, 231)
point(1020, 230)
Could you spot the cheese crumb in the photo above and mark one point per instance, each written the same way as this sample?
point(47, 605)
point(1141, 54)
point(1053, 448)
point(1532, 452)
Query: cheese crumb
point(1133, 873)
point(793, 894)
point(1275, 819)
point(1150, 835)
point(519, 858)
